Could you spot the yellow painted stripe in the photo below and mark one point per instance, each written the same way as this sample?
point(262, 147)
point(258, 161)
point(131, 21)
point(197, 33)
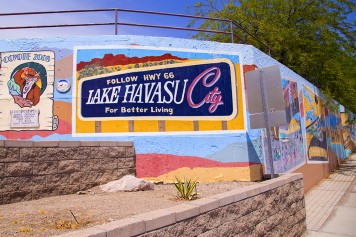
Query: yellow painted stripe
point(210, 125)
point(238, 122)
point(146, 126)
point(85, 126)
point(235, 124)
point(173, 126)
point(115, 126)
point(249, 173)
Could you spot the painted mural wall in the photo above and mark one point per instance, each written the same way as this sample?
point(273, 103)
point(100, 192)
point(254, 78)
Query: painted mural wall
point(182, 103)
point(26, 84)
point(287, 141)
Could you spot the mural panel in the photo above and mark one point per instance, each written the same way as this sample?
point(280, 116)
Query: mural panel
point(316, 140)
point(140, 89)
point(26, 91)
point(334, 131)
point(287, 141)
point(185, 91)
point(348, 136)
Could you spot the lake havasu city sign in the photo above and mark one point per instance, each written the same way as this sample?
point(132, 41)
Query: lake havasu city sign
point(201, 90)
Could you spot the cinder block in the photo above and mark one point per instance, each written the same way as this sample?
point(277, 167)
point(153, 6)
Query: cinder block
point(232, 197)
point(90, 232)
point(2, 170)
point(80, 153)
point(57, 180)
point(124, 228)
point(57, 153)
point(239, 195)
point(117, 152)
point(206, 204)
point(184, 211)
point(99, 152)
point(158, 218)
point(68, 189)
point(44, 192)
point(69, 143)
point(264, 188)
point(285, 179)
point(45, 144)
point(17, 196)
point(130, 151)
point(68, 166)
point(251, 191)
point(274, 183)
point(10, 154)
point(224, 198)
point(107, 143)
point(15, 143)
point(47, 167)
point(89, 143)
point(125, 143)
point(19, 169)
point(9, 184)
point(296, 176)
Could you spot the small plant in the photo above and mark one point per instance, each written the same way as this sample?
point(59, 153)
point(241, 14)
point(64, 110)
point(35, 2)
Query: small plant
point(186, 189)
point(25, 229)
point(42, 212)
point(66, 224)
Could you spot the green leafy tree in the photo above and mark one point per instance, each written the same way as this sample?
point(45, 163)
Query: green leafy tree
point(312, 37)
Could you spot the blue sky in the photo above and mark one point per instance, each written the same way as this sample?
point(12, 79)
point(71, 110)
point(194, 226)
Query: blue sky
point(171, 6)
point(177, 6)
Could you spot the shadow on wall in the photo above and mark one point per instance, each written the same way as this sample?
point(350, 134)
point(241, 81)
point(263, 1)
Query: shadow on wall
point(253, 156)
point(252, 147)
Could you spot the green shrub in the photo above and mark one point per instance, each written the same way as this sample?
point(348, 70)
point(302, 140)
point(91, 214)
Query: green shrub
point(186, 189)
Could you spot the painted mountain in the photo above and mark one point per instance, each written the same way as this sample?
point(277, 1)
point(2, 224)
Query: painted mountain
point(110, 60)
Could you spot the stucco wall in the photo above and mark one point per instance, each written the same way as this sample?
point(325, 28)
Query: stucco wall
point(211, 149)
point(31, 170)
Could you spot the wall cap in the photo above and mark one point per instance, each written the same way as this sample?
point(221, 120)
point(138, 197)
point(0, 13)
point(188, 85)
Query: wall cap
point(25, 144)
point(17, 143)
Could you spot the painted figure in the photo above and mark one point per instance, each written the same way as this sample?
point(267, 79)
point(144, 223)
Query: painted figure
point(25, 87)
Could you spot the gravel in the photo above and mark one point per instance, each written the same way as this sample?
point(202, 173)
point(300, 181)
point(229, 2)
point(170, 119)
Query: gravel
point(60, 214)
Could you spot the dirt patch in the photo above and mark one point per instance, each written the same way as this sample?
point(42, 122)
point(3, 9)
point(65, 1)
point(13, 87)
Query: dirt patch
point(60, 214)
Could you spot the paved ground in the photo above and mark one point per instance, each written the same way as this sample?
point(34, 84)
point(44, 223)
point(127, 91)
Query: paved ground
point(331, 206)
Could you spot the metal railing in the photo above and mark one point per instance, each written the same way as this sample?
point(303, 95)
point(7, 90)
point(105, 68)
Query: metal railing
point(116, 23)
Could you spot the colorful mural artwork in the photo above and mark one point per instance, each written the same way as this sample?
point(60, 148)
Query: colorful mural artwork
point(349, 139)
point(126, 88)
point(334, 132)
point(207, 82)
point(287, 143)
point(315, 124)
point(181, 102)
point(164, 93)
point(26, 81)
point(135, 90)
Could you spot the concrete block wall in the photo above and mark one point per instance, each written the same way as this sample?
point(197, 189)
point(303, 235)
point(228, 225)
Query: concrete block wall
point(31, 170)
point(271, 208)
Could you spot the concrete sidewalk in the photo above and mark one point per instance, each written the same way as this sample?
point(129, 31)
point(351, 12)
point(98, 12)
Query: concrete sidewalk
point(331, 206)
